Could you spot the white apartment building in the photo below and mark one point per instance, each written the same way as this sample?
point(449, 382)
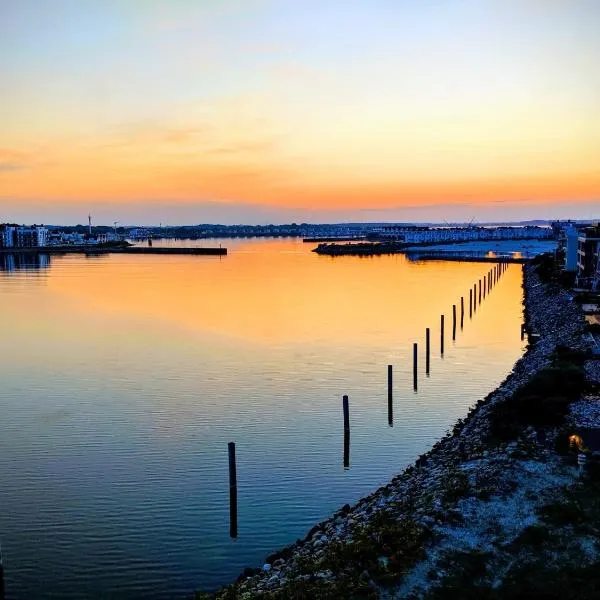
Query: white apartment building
point(14, 236)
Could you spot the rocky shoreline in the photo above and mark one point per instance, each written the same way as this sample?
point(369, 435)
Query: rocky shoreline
point(473, 494)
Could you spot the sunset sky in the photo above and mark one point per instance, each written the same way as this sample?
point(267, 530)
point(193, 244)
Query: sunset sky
point(187, 111)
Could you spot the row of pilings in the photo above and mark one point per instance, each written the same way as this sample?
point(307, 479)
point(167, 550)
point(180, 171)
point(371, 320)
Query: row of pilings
point(480, 290)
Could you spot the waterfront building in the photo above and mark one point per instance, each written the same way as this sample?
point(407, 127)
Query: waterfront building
point(587, 255)
point(7, 237)
point(571, 244)
point(21, 236)
point(440, 235)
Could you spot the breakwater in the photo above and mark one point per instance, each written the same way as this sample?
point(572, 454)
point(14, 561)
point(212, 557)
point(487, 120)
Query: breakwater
point(474, 494)
point(174, 250)
point(462, 256)
point(360, 249)
point(124, 249)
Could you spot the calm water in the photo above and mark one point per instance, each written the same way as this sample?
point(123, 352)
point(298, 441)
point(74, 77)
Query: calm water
point(124, 377)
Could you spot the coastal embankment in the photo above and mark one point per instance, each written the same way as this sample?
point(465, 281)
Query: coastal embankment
point(499, 508)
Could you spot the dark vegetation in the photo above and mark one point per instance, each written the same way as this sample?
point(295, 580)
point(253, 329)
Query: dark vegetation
point(544, 400)
point(594, 328)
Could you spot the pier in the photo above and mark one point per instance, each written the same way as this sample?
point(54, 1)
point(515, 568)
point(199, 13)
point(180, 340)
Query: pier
point(57, 250)
point(416, 255)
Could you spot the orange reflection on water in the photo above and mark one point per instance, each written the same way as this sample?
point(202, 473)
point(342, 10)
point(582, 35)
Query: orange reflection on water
point(280, 292)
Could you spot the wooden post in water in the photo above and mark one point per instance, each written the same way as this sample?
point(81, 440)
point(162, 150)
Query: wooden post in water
point(346, 414)
point(484, 285)
point(475, 298)
point(1, 575)
point(442, 335)
point(233, 513)
point(453, 322)
point(415, 359)
point(470, 303)
point(390, 397)
point(427, 350)
point(462, 311)
point(480, 291)
point(346, 432)
point(490, 281)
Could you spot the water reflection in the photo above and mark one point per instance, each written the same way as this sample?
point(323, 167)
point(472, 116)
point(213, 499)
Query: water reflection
point(12, 263)
point(127, 376)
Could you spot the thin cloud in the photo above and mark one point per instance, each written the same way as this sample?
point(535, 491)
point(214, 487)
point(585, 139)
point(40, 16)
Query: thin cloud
point(9, 167)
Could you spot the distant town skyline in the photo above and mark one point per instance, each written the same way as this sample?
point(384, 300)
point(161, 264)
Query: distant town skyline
point(232, 214)
point(259, 111)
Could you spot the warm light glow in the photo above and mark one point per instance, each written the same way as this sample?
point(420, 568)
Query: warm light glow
point(469, 108)
point(576, 443)
point(316, 301)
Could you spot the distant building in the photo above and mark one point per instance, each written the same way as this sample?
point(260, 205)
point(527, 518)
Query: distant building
point(7, 237)
point(139, 233)
point(21, 236)
point(440, 235)
point(571, 244)
point(587, 255)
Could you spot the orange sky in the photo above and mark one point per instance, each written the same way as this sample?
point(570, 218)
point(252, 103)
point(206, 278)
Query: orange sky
point(318, 106)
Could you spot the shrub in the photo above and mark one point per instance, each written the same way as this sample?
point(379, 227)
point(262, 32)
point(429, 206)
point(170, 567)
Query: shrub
point(544, 400)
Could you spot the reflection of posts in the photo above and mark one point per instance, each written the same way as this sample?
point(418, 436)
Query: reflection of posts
point(442, 335)
point(427, 349)
point(390, 397)
point(346, 432)
point(346, 450)
point(415, 366)
point(233, 525)
point(453, 322)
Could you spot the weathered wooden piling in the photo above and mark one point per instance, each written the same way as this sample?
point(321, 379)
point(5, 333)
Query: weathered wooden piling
point(475, 298)
point(442, 334)
point(470, 303)
point(453, 322)
point(390, 396)
point(484, 285)
point(233, 512)
point(480, 291)
point(1, 575)
point(427, 349)
point(346, 413)
point(462, 311)
point(346, 432)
